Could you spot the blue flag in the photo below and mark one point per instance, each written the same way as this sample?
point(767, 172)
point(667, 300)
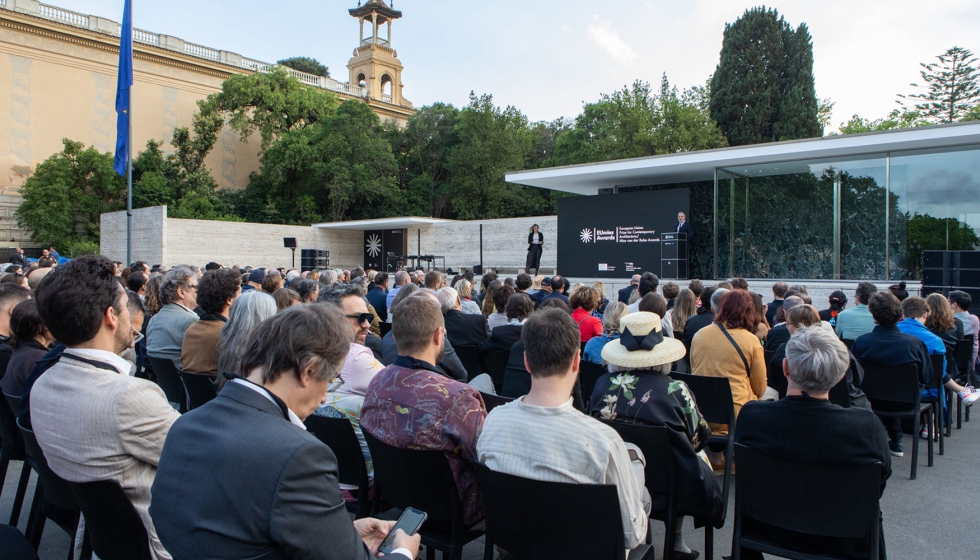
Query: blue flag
point(123, 85)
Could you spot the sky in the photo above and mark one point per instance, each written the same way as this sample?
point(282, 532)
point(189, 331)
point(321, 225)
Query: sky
point(548, 58)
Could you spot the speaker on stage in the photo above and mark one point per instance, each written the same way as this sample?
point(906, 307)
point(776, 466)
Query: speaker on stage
point(289, 242)
point(478, 269)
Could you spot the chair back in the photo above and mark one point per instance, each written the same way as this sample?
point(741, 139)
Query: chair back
point(385, 328)
point(841, 502)
point(56, 490)
point(713, 396)
point(847, 342)
point(588, 374)
point(497, 367)
point(113, 527)
point(169, 380)
point(840, 394)
point(936, 381)
point(469, 356)
point(897, 384)
point(14, 545)
point(774, 375)
point(551, 525)
point(419, 479)
point(493, 401)
point(13, 441)
point(654, 442)
point(200, 388)
point(338, 434)
point(963, 354)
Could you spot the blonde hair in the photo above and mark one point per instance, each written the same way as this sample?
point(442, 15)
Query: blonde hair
point(614, 312)
point(684, 308)
point(464, 289)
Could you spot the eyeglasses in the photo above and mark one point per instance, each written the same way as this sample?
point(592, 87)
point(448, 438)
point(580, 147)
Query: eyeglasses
point(361, 318)
point(137, 336)
point(335, 384)
point(190, 287)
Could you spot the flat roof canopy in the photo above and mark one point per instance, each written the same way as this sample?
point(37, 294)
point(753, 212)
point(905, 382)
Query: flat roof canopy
point(382, 223)
point(700, 166)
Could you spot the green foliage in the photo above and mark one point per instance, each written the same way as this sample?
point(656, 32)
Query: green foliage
point(82, 247)
point(67, 194)
point(763, 89)
point(895, 119)
point(952, 88)
point(306, 64)
point(928, 233)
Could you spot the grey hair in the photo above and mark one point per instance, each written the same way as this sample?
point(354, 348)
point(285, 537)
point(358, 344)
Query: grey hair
point(447, 299)
point(791, 302)
point(192, 268)
point(401, 278)
point(249, 309)
point(716, 298)
point(817, 359)
point(176, 278)
point(614, 312)
point(662, 369)
point(361, 281)
point(335, 293)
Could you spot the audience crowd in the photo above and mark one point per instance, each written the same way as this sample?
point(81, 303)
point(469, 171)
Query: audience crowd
point(482, 370)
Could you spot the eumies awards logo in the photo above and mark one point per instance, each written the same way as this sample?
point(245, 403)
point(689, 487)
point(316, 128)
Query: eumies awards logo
point(586, 235)
point(373, 245)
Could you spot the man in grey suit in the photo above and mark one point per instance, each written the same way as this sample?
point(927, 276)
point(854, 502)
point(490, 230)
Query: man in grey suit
point(240, 477)
point(165, 332)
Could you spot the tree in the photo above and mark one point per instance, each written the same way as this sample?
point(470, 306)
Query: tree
point(422, 148)
point(763, 90)
point(952, 88)
point(895, 119)
point(66, 196)
point(926, 232)
point(306, 64)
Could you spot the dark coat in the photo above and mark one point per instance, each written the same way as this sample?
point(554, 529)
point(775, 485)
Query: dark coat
point(625, 293)
point(502, 338)
point(466, 328)
point(686, 228)
point(379, 299)
point(530, 237)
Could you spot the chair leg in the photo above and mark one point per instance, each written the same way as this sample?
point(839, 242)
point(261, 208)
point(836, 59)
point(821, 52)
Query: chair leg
point(939, 413)
point(25, 477)
point(915, 445)
point(670, 532)
point(35, 523)
point(959, 412)
point(4, 463)
point(709, 542)
point(930, 433)
point(430, 553)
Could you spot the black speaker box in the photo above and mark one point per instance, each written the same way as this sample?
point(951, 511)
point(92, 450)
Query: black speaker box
point(968, 278)
point(289, 242)
point(936, 259)
point(936, 277)
point(478, 269)
point(966, 259)
point(926, 290)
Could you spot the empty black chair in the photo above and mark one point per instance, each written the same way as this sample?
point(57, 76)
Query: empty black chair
point(53, 498)
point(533, 519)
point(840, 394)
point(338, 434)
point(200, 388)
point(937, 403)
point(112, 526)
point(423, 480)
point(13, 450)
point(168, 378)
point(385, 328)
point(588, 374)
point(654, 442)
point(493, 401)
point(497, 366)
point(841, 502)
point(899, 385)
point(963, 357)
point(469, 356)
point(14, 545)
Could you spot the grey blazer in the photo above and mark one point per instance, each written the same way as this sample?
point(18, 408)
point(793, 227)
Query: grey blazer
point(238, 480)
point(165, 332)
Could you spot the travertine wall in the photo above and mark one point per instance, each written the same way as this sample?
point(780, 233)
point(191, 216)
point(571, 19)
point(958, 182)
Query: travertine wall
point(504, 242)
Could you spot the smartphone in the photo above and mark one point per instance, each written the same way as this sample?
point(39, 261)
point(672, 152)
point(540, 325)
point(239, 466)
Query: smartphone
point(410, 522)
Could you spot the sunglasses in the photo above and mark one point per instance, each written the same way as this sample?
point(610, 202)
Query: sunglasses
point(362, 318)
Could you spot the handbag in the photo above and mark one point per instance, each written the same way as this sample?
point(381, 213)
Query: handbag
point(737, 349)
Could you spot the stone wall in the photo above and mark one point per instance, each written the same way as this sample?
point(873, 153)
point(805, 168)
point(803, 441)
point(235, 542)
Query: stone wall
point(504, 242)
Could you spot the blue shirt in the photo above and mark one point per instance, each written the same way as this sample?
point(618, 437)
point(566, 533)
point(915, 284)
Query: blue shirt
point(933, 343)
point(852, 323)
point(391, 296)
point(593, 348)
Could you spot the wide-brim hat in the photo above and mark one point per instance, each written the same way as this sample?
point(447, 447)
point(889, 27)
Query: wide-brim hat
point(642, 343)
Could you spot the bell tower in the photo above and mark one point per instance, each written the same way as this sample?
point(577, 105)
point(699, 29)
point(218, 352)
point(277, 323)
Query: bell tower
point(375, 65)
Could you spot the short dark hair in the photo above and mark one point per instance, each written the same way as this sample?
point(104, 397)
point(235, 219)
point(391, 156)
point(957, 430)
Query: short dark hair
point(653, 303)
point(305, 289)
point(487, 278)
point(500, 296)
point(739, 284)
point(585, 297)
point(519, 306)
point(138, 266)
point(12, 293)
point(885, 309)
point(696, 286)
point(432, 279)
point(212, 266)
point(136, 281)
point(648, 283)
point(523, 282)
point(961, 299)
point(25, 321)
point(864, 292)
point(381, 278)
point(72, 298)
point(134, 304)
point(670, 290)
point(551, 340)
point(301, 336)
point(914, 307)
point(216, 288)
point(705, 297)
point(779, 289)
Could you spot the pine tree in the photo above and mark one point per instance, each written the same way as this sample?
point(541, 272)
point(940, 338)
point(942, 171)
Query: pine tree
point(953, 86)
point(762, 89)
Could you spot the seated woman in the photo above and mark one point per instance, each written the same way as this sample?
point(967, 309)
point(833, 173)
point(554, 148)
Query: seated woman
point(655, 303)
point(583, 302)
point(639, 390)
point(465, 290)
point(610, 327)
point(519, 307)
point(501, 294)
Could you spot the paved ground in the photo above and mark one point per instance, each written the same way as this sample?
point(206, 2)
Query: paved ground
point(933, 516)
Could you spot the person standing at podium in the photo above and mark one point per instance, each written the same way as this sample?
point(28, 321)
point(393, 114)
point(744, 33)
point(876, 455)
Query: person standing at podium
point(684, 226)
point(534, 243)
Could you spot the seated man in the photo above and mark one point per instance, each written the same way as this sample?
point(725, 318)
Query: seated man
point(165, 332)
point(93, 420)
point(216, 292)
point(779, 333)
point(805, 427)
point(565, 444)
point(887, 346)
point(412, 404)
point(854, 322)
point(271, 491)
point(461, 328)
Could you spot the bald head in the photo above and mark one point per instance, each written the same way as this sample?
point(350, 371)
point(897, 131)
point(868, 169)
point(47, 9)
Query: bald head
point(401, 278)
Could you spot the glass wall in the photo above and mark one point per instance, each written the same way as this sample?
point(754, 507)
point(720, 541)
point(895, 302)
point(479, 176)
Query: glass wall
point(867, 217)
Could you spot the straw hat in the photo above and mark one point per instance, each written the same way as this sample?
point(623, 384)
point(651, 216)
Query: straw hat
point(642, 343)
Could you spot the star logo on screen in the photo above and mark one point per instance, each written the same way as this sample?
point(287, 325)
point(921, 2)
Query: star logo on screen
point(373, 245)
point(586, 235)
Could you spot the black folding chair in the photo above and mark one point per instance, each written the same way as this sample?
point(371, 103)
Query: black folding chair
point(840, 394)
point(848, 343)
point(338, 434)
point(937, 402)
point(497, 366)
point(493, 401)
point(714, 399)
point(963, 356)
point(841, 502)
point(200, 388)
point(533, 519)
point(385, 328)
point(422, 479)
point(52, 497)
point(894, 392)
point(168, 378)
point(654, 442)
point(588, 374)
point(112, 526)
point(13, 450)
point(469, 356)
point(14, 545)
point(774, 374)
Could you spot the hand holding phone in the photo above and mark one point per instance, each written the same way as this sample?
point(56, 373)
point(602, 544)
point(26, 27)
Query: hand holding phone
point(410, 522)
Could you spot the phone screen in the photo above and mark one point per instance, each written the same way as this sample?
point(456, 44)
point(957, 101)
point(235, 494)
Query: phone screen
point(410, 522)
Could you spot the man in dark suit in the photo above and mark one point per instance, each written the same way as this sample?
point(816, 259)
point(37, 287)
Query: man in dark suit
point(779, 290)
point(684, 226)
point(282, 487)
point(556, 286)
point(461, 328)
point(834, 436)
point(378, 295)
point(625, 293)
point(780, 333)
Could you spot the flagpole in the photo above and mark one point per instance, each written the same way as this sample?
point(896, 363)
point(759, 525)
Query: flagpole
point(129, 157)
